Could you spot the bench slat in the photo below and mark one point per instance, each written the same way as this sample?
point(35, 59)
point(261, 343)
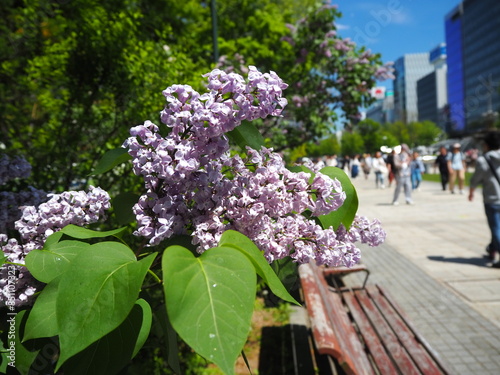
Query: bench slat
point(324, 336)
point(380, 357)
point(355, 358)
point(387, 336)
point(442, 368)
point(332, 330)
point(405, 334)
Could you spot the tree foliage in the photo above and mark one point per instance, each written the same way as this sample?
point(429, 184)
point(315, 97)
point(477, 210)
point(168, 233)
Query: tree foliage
point(75, 75)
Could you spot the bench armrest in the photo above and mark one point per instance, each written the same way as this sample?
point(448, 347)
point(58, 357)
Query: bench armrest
point(341, 271)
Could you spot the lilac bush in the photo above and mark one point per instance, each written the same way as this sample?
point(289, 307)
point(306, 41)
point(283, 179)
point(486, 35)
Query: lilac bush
point(242, 212)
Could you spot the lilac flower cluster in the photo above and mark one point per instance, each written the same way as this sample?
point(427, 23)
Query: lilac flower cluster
point(364, 231)
point(193, 185)
point(69, 207)
point(35, 225)
point(13, 167)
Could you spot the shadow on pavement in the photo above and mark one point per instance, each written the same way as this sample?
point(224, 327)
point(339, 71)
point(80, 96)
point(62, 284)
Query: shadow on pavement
point(481, 261)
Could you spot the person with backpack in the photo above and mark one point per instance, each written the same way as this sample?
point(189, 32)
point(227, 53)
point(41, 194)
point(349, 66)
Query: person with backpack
point(486, 174)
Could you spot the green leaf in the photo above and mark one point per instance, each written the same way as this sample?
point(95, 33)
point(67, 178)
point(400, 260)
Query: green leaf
point(112, 352)
point(42, 321)
point(242, 243)
point(46, 265)
point(24, 357)
point(52, 239)
point(209, 300)
point(287, 271)
point(122, 205)
point(83, 233)
point(346, 213)
point(96, 294)
point(246, 134)
point(111, 159)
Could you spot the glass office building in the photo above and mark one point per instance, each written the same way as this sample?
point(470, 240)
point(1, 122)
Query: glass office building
point(407, 71)
point(473, 56)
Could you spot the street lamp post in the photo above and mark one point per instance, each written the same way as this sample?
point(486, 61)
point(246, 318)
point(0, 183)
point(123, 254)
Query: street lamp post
point(214, 31)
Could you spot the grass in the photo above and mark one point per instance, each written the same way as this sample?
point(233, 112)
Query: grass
point(433, 177)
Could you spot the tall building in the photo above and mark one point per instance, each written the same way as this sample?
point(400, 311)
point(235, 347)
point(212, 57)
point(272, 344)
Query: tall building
point(473, 54)
point(407, 71)
point(432, 90)
point(382, 110)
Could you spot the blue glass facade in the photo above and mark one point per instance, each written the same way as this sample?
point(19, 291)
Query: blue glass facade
point(455, 77)
point(473, 58)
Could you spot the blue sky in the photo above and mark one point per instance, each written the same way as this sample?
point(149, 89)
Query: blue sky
point(394, 27)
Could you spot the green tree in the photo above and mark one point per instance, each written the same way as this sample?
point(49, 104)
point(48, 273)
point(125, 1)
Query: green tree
point(352, 143)
point(326, 73)
point(75, 76)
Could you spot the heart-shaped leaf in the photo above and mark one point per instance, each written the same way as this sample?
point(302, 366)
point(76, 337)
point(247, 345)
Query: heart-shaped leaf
point(346, 213)
point(242, 243)
point(210, 300)
point(112, 352)
point(96, 294)
point(46, 265)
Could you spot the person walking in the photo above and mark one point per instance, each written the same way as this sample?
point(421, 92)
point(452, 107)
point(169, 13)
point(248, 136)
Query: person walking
point(390, 166)
point(417, 169)
point(486, 174)
point(366, 165)
point(402, 174)
point(355, 166)
point(380, 170)
point(442, 164)
point(456, 167)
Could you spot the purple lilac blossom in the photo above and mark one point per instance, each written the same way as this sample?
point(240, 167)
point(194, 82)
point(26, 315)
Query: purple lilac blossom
point(193, 185)
point(35, 225)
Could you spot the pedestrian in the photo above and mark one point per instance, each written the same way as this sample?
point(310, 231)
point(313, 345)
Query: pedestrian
point(456, 167)
point(366, 165)
point(380, 170)
point(355, 166)
point(417, 169)
point(486, 174)
point(402, 174)
point(346, 164)
point(390, 166)
point(442, 163)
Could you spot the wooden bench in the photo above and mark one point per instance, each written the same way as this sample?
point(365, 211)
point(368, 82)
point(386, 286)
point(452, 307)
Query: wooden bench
point(363, 331)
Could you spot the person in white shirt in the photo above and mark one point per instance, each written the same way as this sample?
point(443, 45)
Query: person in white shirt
point(380, 169)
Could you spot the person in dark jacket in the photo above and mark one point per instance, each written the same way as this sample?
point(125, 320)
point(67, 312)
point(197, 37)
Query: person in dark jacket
point(442, 163)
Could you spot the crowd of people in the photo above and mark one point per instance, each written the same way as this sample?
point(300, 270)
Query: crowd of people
point(405, 168)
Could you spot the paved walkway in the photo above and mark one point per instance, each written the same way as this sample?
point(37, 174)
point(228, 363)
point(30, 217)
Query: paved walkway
point(432, 263)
